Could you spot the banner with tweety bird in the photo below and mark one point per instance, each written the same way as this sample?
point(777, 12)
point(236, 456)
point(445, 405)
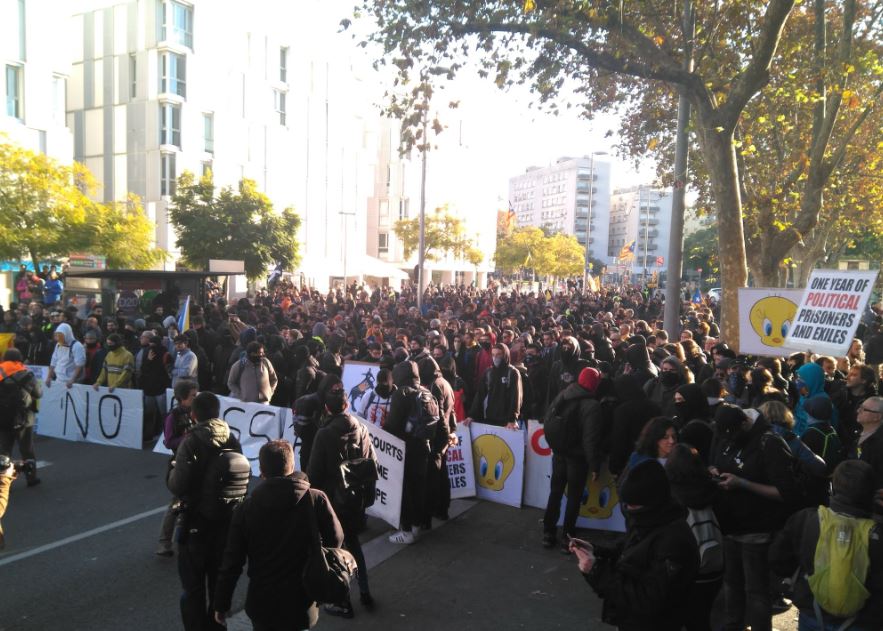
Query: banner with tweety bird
point(765, 317)
point(498, 459)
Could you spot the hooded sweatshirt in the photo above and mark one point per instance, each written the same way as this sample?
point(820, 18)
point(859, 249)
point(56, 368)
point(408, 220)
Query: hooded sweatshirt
point(629, 418)
point(638, 359)
point(498, 398)
point(67, 357)
point(814, 377)
point(566, 370)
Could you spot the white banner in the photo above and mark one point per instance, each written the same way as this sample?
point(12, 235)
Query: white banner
point(359, 378)
point(832, 306)
point(599, 508)
point(498, 458)
point(461, 474)
point(253, 424)
point(391, 465)
point(84, 414)
point(766, 315)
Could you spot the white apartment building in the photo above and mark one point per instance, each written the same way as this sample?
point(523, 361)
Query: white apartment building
point(163, 86)
point(35, 75)
point(566, 197)
point(641, 215)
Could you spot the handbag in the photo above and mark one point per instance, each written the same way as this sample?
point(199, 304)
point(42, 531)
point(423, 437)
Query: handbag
point(328, 572)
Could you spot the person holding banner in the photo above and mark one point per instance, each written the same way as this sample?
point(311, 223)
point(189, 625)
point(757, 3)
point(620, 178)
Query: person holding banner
point(499, 396)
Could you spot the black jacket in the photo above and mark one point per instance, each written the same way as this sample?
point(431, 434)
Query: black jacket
point(629, 419)
point(795, 547)
point(647, 585)
point(500, 389)
point(271, 530)
point(871, 451)
point(576, 405)
point(759, 456)
point(328, 452)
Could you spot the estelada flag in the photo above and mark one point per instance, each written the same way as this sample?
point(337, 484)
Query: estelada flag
point(627, 251)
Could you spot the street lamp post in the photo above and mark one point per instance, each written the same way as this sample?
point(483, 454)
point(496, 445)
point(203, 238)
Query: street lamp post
point(589, 216)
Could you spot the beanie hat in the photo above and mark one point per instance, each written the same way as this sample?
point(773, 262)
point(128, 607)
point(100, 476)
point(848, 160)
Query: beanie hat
point(589, 378)
point(729, 418)
point(819, 407)
point(646, 485)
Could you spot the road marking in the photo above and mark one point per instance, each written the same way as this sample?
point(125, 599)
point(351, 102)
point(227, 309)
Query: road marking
point(79, 537)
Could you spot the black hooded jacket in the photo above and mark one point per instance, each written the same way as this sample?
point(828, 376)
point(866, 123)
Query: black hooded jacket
point(566, 369)
point(431, 379)
point(640, 367)
point(271, 529)
point(499, 396)
point(629, 419)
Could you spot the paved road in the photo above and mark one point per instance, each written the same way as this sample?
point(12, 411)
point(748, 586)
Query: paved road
point(80, 556)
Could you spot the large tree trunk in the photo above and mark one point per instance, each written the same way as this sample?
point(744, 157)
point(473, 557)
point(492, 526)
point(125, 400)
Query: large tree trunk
point(720, 155)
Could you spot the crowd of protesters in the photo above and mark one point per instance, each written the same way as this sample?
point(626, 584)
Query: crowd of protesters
point(748, 448)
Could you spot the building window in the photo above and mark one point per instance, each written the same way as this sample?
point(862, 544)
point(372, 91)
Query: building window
point(283, 64)
point(168, 176)
point(208, 132)
point(207, 168)
point(22, 32)
point(14, 91)
point(279, 103)
point(403, 209)
point(133, 76)
point(170, 124)
point(173, 74)
point(383, 242)
point(175, 23)
point(384, 210)
point(59, 99)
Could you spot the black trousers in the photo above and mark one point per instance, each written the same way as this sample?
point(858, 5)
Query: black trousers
point(570, 472)
point(438, 487)
point(414, 484)
point(24, 436)
point(199, 559)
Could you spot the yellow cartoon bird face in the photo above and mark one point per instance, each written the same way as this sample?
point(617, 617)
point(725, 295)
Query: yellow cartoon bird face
point(494, 461)
point(771, 319)
point(600, 497)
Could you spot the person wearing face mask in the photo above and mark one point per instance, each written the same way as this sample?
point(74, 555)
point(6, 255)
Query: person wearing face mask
point(186, 364)
point(253, 379)
point(567, 368)
point(662, 389)
point(483, 359)
point(374, 407)
point(645, 582)
point(499, 395)
point(118, 368)
point(538, 376)
point(693, 418)
point(810, 382)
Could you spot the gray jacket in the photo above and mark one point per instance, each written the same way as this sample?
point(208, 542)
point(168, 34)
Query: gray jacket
point(252, 383)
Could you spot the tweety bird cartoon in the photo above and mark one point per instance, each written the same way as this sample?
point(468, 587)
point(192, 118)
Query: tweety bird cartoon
point(771, 318)
point(599, 497)
point(494, 461)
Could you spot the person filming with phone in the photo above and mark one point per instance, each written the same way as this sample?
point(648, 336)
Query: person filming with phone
point(645, 582)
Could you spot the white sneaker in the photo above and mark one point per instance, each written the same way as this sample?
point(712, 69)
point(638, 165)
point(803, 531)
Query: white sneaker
point(402, 537)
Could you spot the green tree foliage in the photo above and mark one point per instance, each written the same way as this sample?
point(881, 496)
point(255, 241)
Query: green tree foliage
point(561, 256)
point(612, 54)
point(233, 224)
point(46, 213)
point(519, 250)
point(700, 252)
point(444, 234)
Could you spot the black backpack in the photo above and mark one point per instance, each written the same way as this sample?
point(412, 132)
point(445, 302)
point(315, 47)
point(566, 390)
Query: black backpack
point(562, 425)
point(14, 401)
point(833, 452)
point(224, 484)
point(425, 414)
point(356, 487)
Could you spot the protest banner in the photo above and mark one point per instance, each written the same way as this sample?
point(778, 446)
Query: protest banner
point(498, 459)
point(765, 317)
point(253, 424)
point(830, 310)
point(391, 467)
point(81, 413)
point(599, 508)
point(461, 473)
point(358, 380)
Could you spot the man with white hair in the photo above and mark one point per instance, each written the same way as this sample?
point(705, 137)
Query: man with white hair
point(870, 445)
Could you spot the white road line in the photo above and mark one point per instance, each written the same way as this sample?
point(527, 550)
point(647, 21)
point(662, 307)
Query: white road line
point(83, 535)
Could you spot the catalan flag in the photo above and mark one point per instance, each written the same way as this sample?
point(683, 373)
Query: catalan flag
point(184, 317)
point(627, 251)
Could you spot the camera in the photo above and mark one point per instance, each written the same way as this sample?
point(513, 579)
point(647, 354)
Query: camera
point(5, 461)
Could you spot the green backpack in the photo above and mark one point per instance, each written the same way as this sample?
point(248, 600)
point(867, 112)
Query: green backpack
point(841, 563)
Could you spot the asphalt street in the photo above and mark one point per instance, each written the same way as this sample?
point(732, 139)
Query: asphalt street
point(80, 556)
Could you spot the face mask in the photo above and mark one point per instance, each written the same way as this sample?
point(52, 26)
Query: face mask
point(682, 410)
point(112, 347)
point(669, 379)
point(567, 352)
point(498, 361)
point(530, 359)
point(255, 359)
point(91, 344)
point(486, 345)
